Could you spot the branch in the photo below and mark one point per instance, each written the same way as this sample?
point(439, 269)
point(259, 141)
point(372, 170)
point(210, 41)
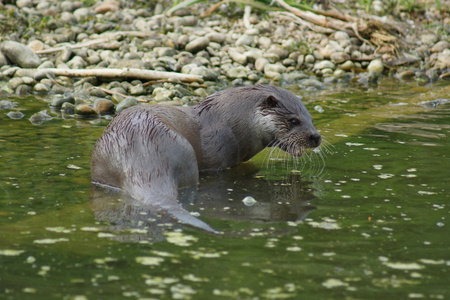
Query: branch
point(127, 73)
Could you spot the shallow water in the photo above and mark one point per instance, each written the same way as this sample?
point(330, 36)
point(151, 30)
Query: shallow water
point(365, 218)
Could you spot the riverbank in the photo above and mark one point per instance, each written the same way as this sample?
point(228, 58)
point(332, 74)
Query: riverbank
point(43, 41)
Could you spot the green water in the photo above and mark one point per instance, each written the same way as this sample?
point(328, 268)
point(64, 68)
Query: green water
point(369, 218)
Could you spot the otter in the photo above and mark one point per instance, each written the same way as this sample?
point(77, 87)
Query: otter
point(151, 151)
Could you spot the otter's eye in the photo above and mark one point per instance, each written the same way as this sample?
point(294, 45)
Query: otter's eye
point(294, 121)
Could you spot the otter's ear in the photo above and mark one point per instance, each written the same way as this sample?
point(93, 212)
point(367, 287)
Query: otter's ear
point(270, 102)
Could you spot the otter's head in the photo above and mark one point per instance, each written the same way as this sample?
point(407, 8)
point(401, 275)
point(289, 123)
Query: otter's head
point(286, 122)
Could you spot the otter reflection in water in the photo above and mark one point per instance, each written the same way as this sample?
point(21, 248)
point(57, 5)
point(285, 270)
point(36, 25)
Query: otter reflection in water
point(151, 151)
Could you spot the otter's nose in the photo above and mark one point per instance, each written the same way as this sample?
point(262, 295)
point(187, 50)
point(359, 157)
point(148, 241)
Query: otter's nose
point(314, 140)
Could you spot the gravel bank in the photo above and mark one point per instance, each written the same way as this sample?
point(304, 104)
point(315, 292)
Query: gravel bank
point(227, 48)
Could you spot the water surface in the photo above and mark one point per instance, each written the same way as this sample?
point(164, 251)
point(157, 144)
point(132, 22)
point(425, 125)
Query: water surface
point(365, 218)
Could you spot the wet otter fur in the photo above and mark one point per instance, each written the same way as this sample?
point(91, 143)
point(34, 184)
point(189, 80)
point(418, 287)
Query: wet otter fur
point(150, 151)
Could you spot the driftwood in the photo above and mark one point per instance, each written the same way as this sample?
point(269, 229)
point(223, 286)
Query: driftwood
point(103, 38)
point(320, 20)
point(124, 73)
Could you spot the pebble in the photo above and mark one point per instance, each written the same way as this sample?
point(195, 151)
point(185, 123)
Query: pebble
point(104, 106)
point(197, 45)
point(126, 103)
point(40, 117)
point(15, 115)
point(85, 110)
point(20, 54)
point(376, 66)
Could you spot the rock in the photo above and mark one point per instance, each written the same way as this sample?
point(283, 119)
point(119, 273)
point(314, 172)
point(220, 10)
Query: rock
point(341, 35)
point(339, 57)
point(69, 6)
point(240, 58)
point(24, 89)
point(376, 66)
point(85, 110)
point(278, 68)
point(41, 88)
point(82, 14)
point(15, 82)
point(238, 72)
point(20, 54)
point(311, 83)
point(443, 59)
point(104, 106)
point(264, 42)
point(137, 89)
point(126, 103)
point(207, 74)
point(347, 66)
point(161, 94)
point(278, 50)
point(77, 63)
point(440, 46)
point(15, 115)
point(6, 104)
point(292, 77)
point(445, 76)
point(68, 108)
point(197, 45)
point(429, 38)
point(216, 37)
point(40, 117)
point(3, 60)
point(244, 40)
point(309, 59)
point(325, 64)
point(58, 102)
point(105, 7)
point(36, 45)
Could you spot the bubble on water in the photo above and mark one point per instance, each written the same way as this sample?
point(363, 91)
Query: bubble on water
point(440, 224)
point(319, 109)
point(386, 176)
point(149, 260)
point(249, 201)
point(180, 239)
point(294, 249)
point(378, 167)
point(50, 241)
point(333, 283)
point(11, 252)
point(403, 266)
point(426, 193)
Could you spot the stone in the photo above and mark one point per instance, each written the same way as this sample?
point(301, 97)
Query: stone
point(126, 103)
point(244, 40)
point(105, 7)
point(339, 57)
point(216, 37)
point(197, 45)
point(240, 58)
point(20, 54)
point(376, 66)
point(238, 72)
point(341, 35)
point(85, 110)
point(58, 102)
point(278, 68)
point(440, 46)
point(324, 64)
point(40, 117)
point(104, 106)
point(162, 94)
